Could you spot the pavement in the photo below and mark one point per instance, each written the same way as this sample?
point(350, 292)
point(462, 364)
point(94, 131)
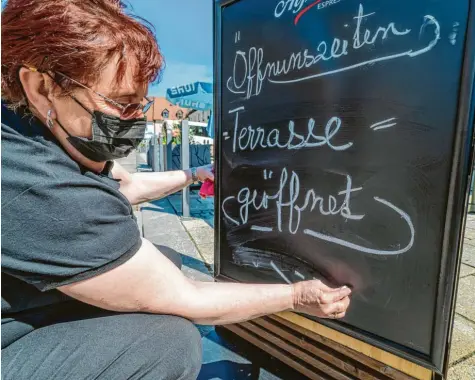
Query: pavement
point(462, 355)
point(193, 237)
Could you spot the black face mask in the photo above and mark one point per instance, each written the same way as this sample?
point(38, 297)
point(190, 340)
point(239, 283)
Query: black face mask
point(112, 137)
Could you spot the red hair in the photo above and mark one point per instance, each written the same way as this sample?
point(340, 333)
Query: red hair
point(77, 38)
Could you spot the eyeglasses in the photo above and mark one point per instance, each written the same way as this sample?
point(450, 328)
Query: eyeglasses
point(128, 110)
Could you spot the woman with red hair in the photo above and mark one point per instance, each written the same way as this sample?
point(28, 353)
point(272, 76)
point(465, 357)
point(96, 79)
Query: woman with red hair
point(83, 296)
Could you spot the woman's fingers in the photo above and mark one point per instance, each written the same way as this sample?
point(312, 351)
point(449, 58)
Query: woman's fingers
point(334, 295)
point(211, 176)
point(313, 297)
point(336, 308)
point(338, 316)
point(205, 172)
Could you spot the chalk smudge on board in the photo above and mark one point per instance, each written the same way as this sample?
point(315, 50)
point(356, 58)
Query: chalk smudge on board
point(279, 272)
point(291, 269)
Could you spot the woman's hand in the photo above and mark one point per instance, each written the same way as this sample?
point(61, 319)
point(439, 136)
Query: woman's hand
point(205, 172)
point(317, 299)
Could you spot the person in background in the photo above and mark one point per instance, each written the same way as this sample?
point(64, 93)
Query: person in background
point(83, 295)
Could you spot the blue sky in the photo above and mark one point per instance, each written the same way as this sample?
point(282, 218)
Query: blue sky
point(184, 30)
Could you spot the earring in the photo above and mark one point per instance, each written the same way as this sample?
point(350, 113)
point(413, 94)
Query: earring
point(49, 120)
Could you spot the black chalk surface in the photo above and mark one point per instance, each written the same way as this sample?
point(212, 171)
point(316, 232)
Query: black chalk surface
point(338, 123)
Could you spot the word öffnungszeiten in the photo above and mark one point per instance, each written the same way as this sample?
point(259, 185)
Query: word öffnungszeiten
point(250, 70)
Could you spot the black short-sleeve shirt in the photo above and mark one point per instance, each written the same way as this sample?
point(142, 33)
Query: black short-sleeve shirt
point(61, 223)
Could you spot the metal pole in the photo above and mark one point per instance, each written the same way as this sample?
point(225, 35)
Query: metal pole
point(185, 164)
point(161, 152)
point(169, 161)
point(156, 136)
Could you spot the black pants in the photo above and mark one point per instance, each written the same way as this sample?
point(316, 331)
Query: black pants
point(97, 344)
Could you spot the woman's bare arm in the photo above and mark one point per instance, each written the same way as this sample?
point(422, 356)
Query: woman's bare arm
point(149, 282)
point(144, 187)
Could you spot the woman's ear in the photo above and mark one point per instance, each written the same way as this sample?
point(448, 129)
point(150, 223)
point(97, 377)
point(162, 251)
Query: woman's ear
point(38, 89)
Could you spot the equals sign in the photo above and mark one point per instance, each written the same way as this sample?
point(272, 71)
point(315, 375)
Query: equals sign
point(226, 136)
point(383, 124)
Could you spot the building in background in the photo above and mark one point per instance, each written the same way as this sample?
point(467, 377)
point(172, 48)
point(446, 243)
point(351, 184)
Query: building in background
point(162, 110)
point(199, 116)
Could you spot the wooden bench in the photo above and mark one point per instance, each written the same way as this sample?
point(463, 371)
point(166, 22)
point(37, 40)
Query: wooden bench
point(319, 352)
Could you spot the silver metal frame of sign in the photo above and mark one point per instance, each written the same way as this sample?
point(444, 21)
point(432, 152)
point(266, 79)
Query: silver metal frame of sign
point(462, 164)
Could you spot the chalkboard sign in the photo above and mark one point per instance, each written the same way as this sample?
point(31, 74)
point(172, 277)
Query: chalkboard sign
point(344, 137)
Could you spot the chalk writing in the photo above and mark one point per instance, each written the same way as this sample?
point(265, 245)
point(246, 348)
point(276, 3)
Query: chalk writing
point(250, 138)
point(248, 200)
point(453, 34)
point(294, 6)
point(262, 229)
point(360, 248)
point(283, 6)
point(250, 71)
point(300, 275)
point(383, 124)
point(289, 188)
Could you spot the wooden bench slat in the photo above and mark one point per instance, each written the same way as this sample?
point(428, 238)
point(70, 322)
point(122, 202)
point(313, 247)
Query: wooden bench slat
point(325, 352)
point(276, 352)
point(334, 373)
point(376, 365)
